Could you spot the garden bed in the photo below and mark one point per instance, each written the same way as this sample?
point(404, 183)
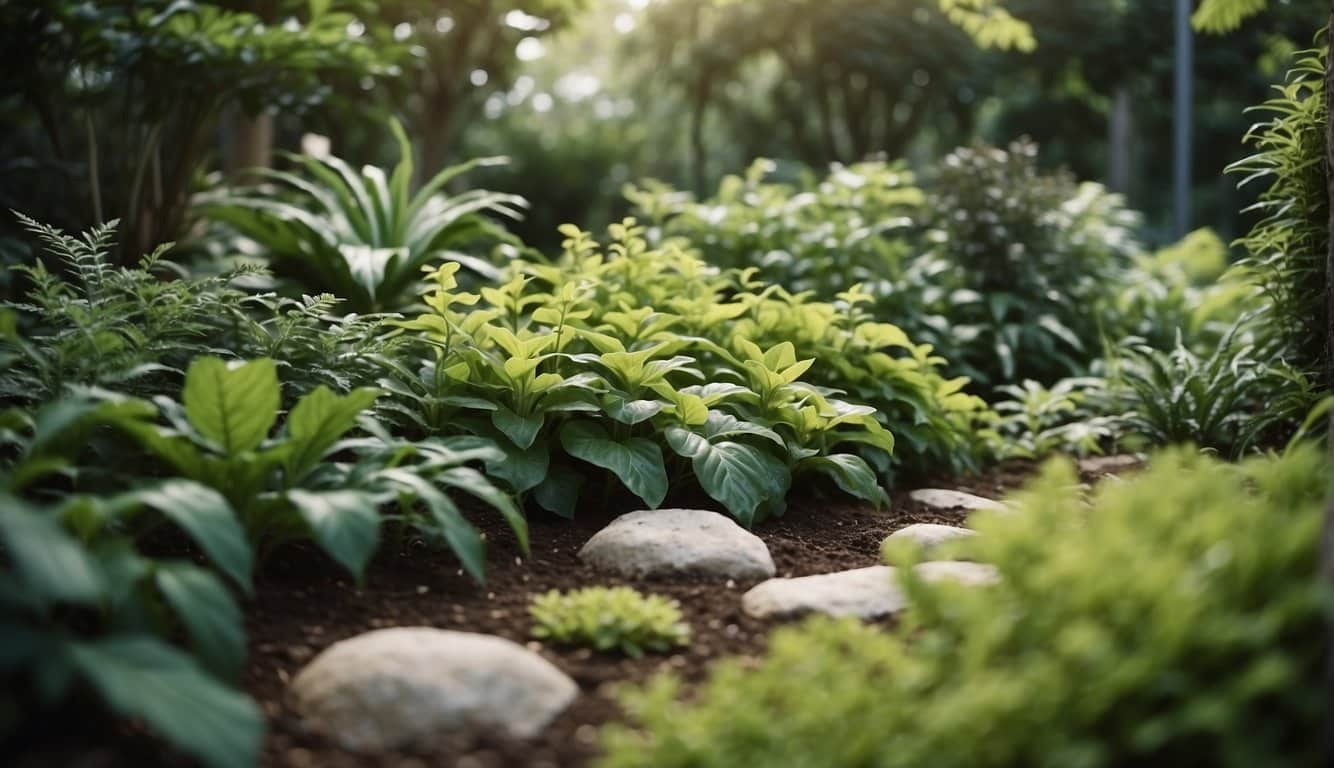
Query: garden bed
point(303, 605)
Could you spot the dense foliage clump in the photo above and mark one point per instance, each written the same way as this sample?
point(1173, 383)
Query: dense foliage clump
point(1211, 654)
point(610, 618)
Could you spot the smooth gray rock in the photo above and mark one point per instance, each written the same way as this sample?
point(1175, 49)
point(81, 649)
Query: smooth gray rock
point(866, 593)
point(678, 542)
point(927, 537)
point(942, 499)
point(392, 688)
point(1098, 467)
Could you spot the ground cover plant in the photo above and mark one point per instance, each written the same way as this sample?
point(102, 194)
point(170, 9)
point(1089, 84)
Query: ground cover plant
point(606, 619)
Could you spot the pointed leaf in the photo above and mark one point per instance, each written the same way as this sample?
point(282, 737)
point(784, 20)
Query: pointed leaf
point(233, 407)
point(346, 524)
point(636, 462)
point(212, 620)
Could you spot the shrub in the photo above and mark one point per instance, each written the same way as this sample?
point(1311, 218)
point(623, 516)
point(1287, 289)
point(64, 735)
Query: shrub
point(364, 236)
point(609, 357)
point(136, 329)
point(86, 612)
point(1070, 417)
point(1177, 619)
point(1024, 267)
point(609, 618)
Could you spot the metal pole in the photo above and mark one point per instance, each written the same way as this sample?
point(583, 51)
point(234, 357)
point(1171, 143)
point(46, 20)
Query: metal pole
point(1182, 121)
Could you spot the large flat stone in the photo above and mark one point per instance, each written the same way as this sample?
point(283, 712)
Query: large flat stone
point(865, 593)
point(678, 542)
point(393, 688)
point(942, 499)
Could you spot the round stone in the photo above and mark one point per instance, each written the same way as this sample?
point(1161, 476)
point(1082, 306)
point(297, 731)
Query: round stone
point(925, 537)
point(865, 593)
point(393, 688)
point(678, 542)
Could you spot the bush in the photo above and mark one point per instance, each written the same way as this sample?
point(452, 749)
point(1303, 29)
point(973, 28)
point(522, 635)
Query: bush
point(364, 236)
point(1175, 620)
point(650, 364)
point(609, 618)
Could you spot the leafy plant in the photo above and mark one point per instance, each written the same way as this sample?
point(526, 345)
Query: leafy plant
point(1128, 639)
point(1070, 417)
point(365, 236)
point(1288, 246)
point(285, 488)
point(84, 612)
point(1232, 400)
point(609, 618)
point(633, 361)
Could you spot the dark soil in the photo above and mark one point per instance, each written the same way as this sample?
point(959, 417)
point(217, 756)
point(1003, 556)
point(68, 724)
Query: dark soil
point(304, 603)
point(303, 606)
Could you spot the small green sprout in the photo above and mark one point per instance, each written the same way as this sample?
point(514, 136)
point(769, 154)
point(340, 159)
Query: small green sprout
point(605, 619)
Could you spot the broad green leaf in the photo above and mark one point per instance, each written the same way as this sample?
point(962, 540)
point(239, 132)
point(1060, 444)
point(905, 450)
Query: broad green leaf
point(318, 421)
point(142, 677)
point(207, 518)
point(210, 615)
point(740, 477)
point(636, 462)
point(521, 468)
point(521, 430)
point(346, 524)
point(559, 491)
point(51, 564)
point(852, 474)
point(474, 483)
point(233, 407)
point(630, 411)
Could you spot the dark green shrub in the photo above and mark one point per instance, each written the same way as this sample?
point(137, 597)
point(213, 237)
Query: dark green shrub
point(1177, 620)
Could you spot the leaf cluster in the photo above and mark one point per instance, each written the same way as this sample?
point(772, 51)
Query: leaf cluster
point(609, 618)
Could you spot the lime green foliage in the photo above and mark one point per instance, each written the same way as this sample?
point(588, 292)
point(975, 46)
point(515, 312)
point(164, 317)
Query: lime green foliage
point(1176, 620)
point(609, 618)
point(365, 236)
point(1288, 246)
point(1218, 16)
point(1009, 273)
point(654, 366)
point(1069, 417)
point(1185, 287)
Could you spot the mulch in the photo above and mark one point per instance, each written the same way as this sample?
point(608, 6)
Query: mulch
point(303, 604)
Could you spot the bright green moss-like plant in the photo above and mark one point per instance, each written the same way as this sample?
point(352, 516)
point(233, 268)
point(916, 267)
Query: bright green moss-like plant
point(1175, 620)
point(610, 618)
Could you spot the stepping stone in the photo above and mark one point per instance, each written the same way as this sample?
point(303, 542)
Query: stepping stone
point(941, 499)
point(393, 688)
point(926, 537)
point(678, 542)
point(866, 593)
point(1102, 466)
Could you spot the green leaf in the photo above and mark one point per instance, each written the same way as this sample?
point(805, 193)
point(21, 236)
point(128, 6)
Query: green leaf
point(233, 407)
point(210, 615)
point(521, 469)
point(740, 477)
point(630, 411)
point(318, 421)
point(853, 475)
point(346, 524)
point(559, 491)
point(144, 678)
point(472, 482)
point(51, 564)
point(463, 539)
point(636, 462)
point(521, 430)
point(208, 519)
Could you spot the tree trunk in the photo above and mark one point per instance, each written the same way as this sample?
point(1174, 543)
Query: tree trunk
point(1119, 129)
point(251, 144)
